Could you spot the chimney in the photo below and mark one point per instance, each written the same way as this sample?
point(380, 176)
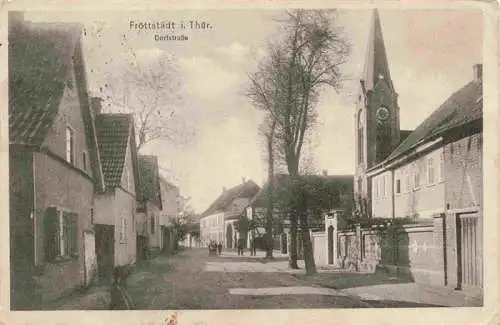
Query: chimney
point(224, 189)
point(325, 172)
point(243, 180)
point(478, 72)
point(96, 103)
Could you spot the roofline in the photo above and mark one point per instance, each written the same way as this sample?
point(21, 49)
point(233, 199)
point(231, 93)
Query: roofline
point(416, 149)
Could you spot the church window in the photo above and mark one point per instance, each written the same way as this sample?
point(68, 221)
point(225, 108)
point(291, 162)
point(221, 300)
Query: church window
point(376, 187)
point(360, 138)
point(430, 171)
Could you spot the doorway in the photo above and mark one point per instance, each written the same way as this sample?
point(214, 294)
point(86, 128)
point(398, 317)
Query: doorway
point(330, 245)
point(105, 252)
point(469, 247)
point(229, 236)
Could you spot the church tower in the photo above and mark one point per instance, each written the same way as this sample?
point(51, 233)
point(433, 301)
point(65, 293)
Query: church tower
point(377, 114)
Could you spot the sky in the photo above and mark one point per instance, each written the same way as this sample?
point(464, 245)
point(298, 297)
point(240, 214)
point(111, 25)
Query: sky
point(430, 53)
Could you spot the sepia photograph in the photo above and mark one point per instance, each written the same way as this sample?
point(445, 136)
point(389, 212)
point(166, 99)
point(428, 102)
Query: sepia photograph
point(246, 159)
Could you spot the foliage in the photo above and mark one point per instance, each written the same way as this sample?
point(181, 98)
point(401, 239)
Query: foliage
point(145, 84)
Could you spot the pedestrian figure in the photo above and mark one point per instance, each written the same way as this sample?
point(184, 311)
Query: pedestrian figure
point(240, 247)
point(254, 248)
point(219, 247)
point(252, 243)
point(120, 299)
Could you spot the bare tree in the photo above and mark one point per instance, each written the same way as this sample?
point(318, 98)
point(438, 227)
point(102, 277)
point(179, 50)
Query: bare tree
point(287, 86)
point(149, 88)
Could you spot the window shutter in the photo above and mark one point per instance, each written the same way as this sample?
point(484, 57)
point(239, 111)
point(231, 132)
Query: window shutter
point(51, 234)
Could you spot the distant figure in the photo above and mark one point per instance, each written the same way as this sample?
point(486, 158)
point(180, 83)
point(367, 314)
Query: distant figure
point(253, 247)
point(240, 247)
point(219, 247)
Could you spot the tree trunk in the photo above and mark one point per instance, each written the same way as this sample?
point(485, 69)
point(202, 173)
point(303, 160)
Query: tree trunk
point(293, 242)
point(270, 208)
point(293, 171)
point(304, 230)
point(307, 246)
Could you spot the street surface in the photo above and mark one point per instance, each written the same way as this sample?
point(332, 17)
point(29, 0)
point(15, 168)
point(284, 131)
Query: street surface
point(191, 279)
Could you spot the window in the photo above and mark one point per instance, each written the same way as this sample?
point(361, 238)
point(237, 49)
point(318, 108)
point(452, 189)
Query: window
point(416, 176)
point(408, 179)
point(376, 188)
point(360, 137)
point(397, 183)
point(123, 230)
point(61, 234)
point(441, 166)
point(70, 146)
point(382, 187)
point(152, 224)
point(430, 171)
point(84, 160)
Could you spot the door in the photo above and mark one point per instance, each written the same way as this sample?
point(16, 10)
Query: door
point(330, 245)
point(229, 236)
point(469, 247)
point(105, 252)
point(90, 257)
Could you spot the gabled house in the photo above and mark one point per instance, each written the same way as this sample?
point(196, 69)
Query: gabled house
point(171, 208)
point(218, 221)
point(54, 163)
point(149, 205)
point(115, 209)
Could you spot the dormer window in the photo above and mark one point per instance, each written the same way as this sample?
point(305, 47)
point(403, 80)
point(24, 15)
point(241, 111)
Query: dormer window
point(70, 146)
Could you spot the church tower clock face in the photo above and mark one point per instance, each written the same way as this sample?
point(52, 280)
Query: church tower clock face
point(382, 114)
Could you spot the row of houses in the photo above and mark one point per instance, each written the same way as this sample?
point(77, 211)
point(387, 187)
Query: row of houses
point(82, 200)
point(220, 222)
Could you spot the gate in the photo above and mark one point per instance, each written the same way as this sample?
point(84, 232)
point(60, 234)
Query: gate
point(469, 247)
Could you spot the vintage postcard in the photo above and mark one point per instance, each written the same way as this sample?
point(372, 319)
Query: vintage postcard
point(241, 162)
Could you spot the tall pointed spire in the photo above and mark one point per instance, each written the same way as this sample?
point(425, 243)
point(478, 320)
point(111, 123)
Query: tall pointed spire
point(376, 65)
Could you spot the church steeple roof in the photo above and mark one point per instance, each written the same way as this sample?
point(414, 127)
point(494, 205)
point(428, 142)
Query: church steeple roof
point(376, 65)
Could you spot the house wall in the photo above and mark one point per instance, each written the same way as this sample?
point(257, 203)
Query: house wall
point(464, 172)
point(212, 228)
point(22, 256)
point(170, 204)
point(66, 186)
point(58, 184)
point(382, 195)
point(128, 176)
point(125, 207)
point(154, 230)
point(426, 199)
point(69, 115)
point(463, 175)
point(104, 208)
